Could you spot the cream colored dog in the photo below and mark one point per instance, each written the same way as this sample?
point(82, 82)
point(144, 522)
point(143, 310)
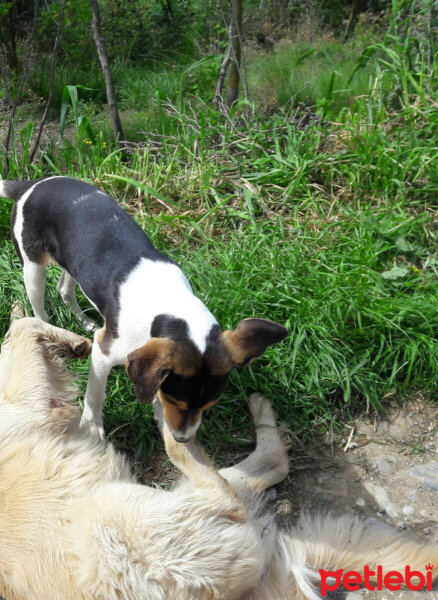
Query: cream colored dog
point(75, 525)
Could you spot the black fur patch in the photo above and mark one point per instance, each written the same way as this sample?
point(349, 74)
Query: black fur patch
point(87, 233)
point(203, 387)
point(14, 239)
point(15, 189)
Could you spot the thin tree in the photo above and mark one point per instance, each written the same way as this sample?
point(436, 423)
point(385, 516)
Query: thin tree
point(357, 6)
point(24, 76)
point(236, 51)
point(96, 27)
point(217, 98)
point(52, 82)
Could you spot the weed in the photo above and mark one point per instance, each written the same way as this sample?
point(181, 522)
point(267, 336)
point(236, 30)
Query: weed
point(320, 217)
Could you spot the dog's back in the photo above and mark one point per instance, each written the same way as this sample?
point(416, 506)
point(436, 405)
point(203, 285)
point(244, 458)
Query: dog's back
point(73, 224)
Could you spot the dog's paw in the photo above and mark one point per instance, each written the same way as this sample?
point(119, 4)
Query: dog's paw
point(82, 349)
point(261, 410)
point(89, 324)
point(43, 316)
point(94, 428)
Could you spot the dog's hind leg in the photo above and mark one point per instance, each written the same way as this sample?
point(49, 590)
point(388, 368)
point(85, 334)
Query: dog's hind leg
point(268, 464)
point(34, 276)
point(67, 289)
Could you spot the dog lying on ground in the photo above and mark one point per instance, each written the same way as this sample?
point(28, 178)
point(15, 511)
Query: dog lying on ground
point(74, 524)
point(153, 323)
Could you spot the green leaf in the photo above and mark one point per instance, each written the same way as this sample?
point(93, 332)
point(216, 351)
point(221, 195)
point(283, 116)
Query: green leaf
point(403, 245)
point(395, 273)
point(144, 188)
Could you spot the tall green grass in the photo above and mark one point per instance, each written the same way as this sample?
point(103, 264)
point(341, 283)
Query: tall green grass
point(321, 217)
point(315, 74)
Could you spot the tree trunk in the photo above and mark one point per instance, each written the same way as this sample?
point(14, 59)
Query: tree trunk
point(217, 98)
point(354, 12)
point(236, 52)
point(52, 82)
point(24, 75)
point(104, 62)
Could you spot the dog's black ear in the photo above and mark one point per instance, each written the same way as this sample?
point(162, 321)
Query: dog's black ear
point(251, 338)
point(149, 366)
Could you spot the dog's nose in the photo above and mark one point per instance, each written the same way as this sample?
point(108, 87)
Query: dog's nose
point(181, 439)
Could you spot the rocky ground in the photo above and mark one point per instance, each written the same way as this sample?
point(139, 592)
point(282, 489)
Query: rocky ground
point(386, 470)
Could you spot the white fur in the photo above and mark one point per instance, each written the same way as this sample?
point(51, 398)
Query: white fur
point(67, 290)
point(74, 524)
point(34, 276)
point(100, 367)
point(151, 288)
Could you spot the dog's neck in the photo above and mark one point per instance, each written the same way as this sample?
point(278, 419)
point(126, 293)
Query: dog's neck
point(155, 288)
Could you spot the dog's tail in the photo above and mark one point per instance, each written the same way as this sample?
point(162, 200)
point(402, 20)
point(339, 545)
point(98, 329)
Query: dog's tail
point(14, 189)
point(313, 557)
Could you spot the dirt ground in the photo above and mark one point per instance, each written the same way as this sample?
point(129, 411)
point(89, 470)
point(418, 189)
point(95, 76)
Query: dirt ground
point(387, 471)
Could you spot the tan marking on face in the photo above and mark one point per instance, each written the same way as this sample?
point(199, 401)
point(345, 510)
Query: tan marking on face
point(184, 361)
point(220, 366)
point(209, 405)
point(169, 355)
point(172, 414)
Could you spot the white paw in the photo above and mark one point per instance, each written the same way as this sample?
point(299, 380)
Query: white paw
point(43, 316)
point(261, 410)
point(89, 324)
point(94, 426)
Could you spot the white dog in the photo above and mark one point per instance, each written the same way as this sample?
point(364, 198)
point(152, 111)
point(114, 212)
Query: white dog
point(74, 524)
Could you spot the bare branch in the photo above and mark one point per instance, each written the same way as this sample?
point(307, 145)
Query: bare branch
point(20, 91)
point(217, 98)
point(52, 82)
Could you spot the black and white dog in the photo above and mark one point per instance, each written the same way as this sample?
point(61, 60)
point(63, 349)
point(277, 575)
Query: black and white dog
point(171, 344)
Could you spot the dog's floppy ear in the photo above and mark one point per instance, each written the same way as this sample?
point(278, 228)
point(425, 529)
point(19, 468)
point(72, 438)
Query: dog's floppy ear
point(65, 346)
point(251, 338)
point(149, 366)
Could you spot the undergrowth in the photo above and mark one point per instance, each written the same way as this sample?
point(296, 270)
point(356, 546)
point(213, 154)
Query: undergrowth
point(320, 215)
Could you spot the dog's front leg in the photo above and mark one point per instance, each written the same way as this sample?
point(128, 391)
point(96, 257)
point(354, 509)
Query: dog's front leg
point(100, 367)
point(194, 463)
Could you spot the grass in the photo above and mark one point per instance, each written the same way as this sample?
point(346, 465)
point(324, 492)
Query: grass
point(322, 218)
point(314, 74)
